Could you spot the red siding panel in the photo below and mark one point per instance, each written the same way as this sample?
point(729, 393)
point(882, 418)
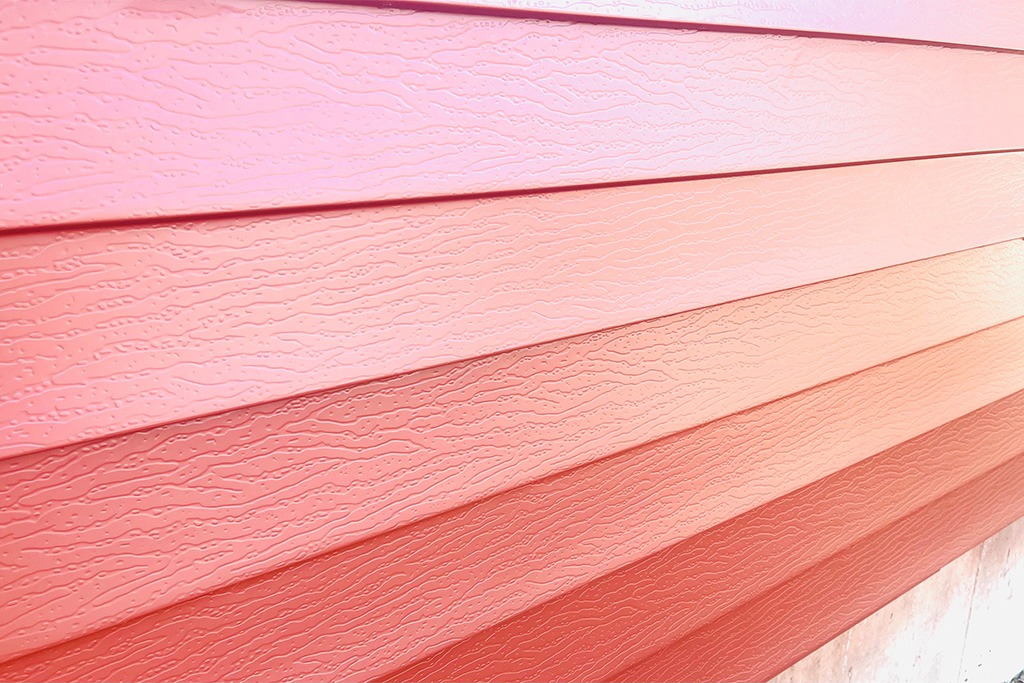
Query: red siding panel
point(147, 109)
point(297, 623)
point(109, 330)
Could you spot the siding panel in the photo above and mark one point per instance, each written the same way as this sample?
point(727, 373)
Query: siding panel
point(350, 342)
point(238, 106)
point(287, 624)
point(838, 593)
point(599, 628)
point(162, 514)
point(109, 330)
point(992, 23)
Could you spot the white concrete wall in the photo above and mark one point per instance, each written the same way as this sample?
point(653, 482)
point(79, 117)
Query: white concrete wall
point(965, 624)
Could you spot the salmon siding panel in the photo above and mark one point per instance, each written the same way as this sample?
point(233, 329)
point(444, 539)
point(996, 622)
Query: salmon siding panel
point(113, 329)
point(838, 593)
point(286, 397)
point(590, 633)
point(325, 619)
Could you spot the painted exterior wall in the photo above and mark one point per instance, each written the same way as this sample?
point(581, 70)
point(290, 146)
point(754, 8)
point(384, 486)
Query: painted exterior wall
point(464, 343)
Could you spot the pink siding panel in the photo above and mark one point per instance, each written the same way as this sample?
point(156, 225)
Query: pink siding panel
point(110, 330)
point(115, 110)
point(991, 23)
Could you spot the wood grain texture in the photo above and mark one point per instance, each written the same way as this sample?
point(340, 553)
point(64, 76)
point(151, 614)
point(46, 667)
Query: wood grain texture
point(115, 109)
point(159, 515)
point(836, 594)
point(108, 330)
point(298, 623)
point(597, 629)
point(991, 23)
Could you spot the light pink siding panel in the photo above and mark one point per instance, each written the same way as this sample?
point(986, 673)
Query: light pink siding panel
point(989, 23)
point(114, 109)
point(103, 331)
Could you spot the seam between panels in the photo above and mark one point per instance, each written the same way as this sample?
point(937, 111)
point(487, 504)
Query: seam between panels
point(301, 209)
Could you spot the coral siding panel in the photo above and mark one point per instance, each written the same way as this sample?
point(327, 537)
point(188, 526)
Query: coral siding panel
point(645, 498)
point(247, 634)
point(591, 632)
point(107, 330)
point(221, 498)
point(114, 109)
point(836, 594)
point(991, 23)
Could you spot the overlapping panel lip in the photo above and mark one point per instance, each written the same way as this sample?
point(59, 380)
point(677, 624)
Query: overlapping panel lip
point(593, 631)
point(812, 608)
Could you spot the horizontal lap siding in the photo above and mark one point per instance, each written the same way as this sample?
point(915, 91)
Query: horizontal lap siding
point(807, 611)
point(988, 23)
point(592, 632)
point(326, 619)
point(169, 512)
point(107, 330)
point(568, 434)
point(145, 110)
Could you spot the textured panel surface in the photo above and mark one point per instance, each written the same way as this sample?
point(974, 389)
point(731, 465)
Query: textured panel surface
point(106, 330)
point(594, 630)
point(253, 511)
point(289, 624)
point(141, 108)
point(993, 23)
point(843, 590)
